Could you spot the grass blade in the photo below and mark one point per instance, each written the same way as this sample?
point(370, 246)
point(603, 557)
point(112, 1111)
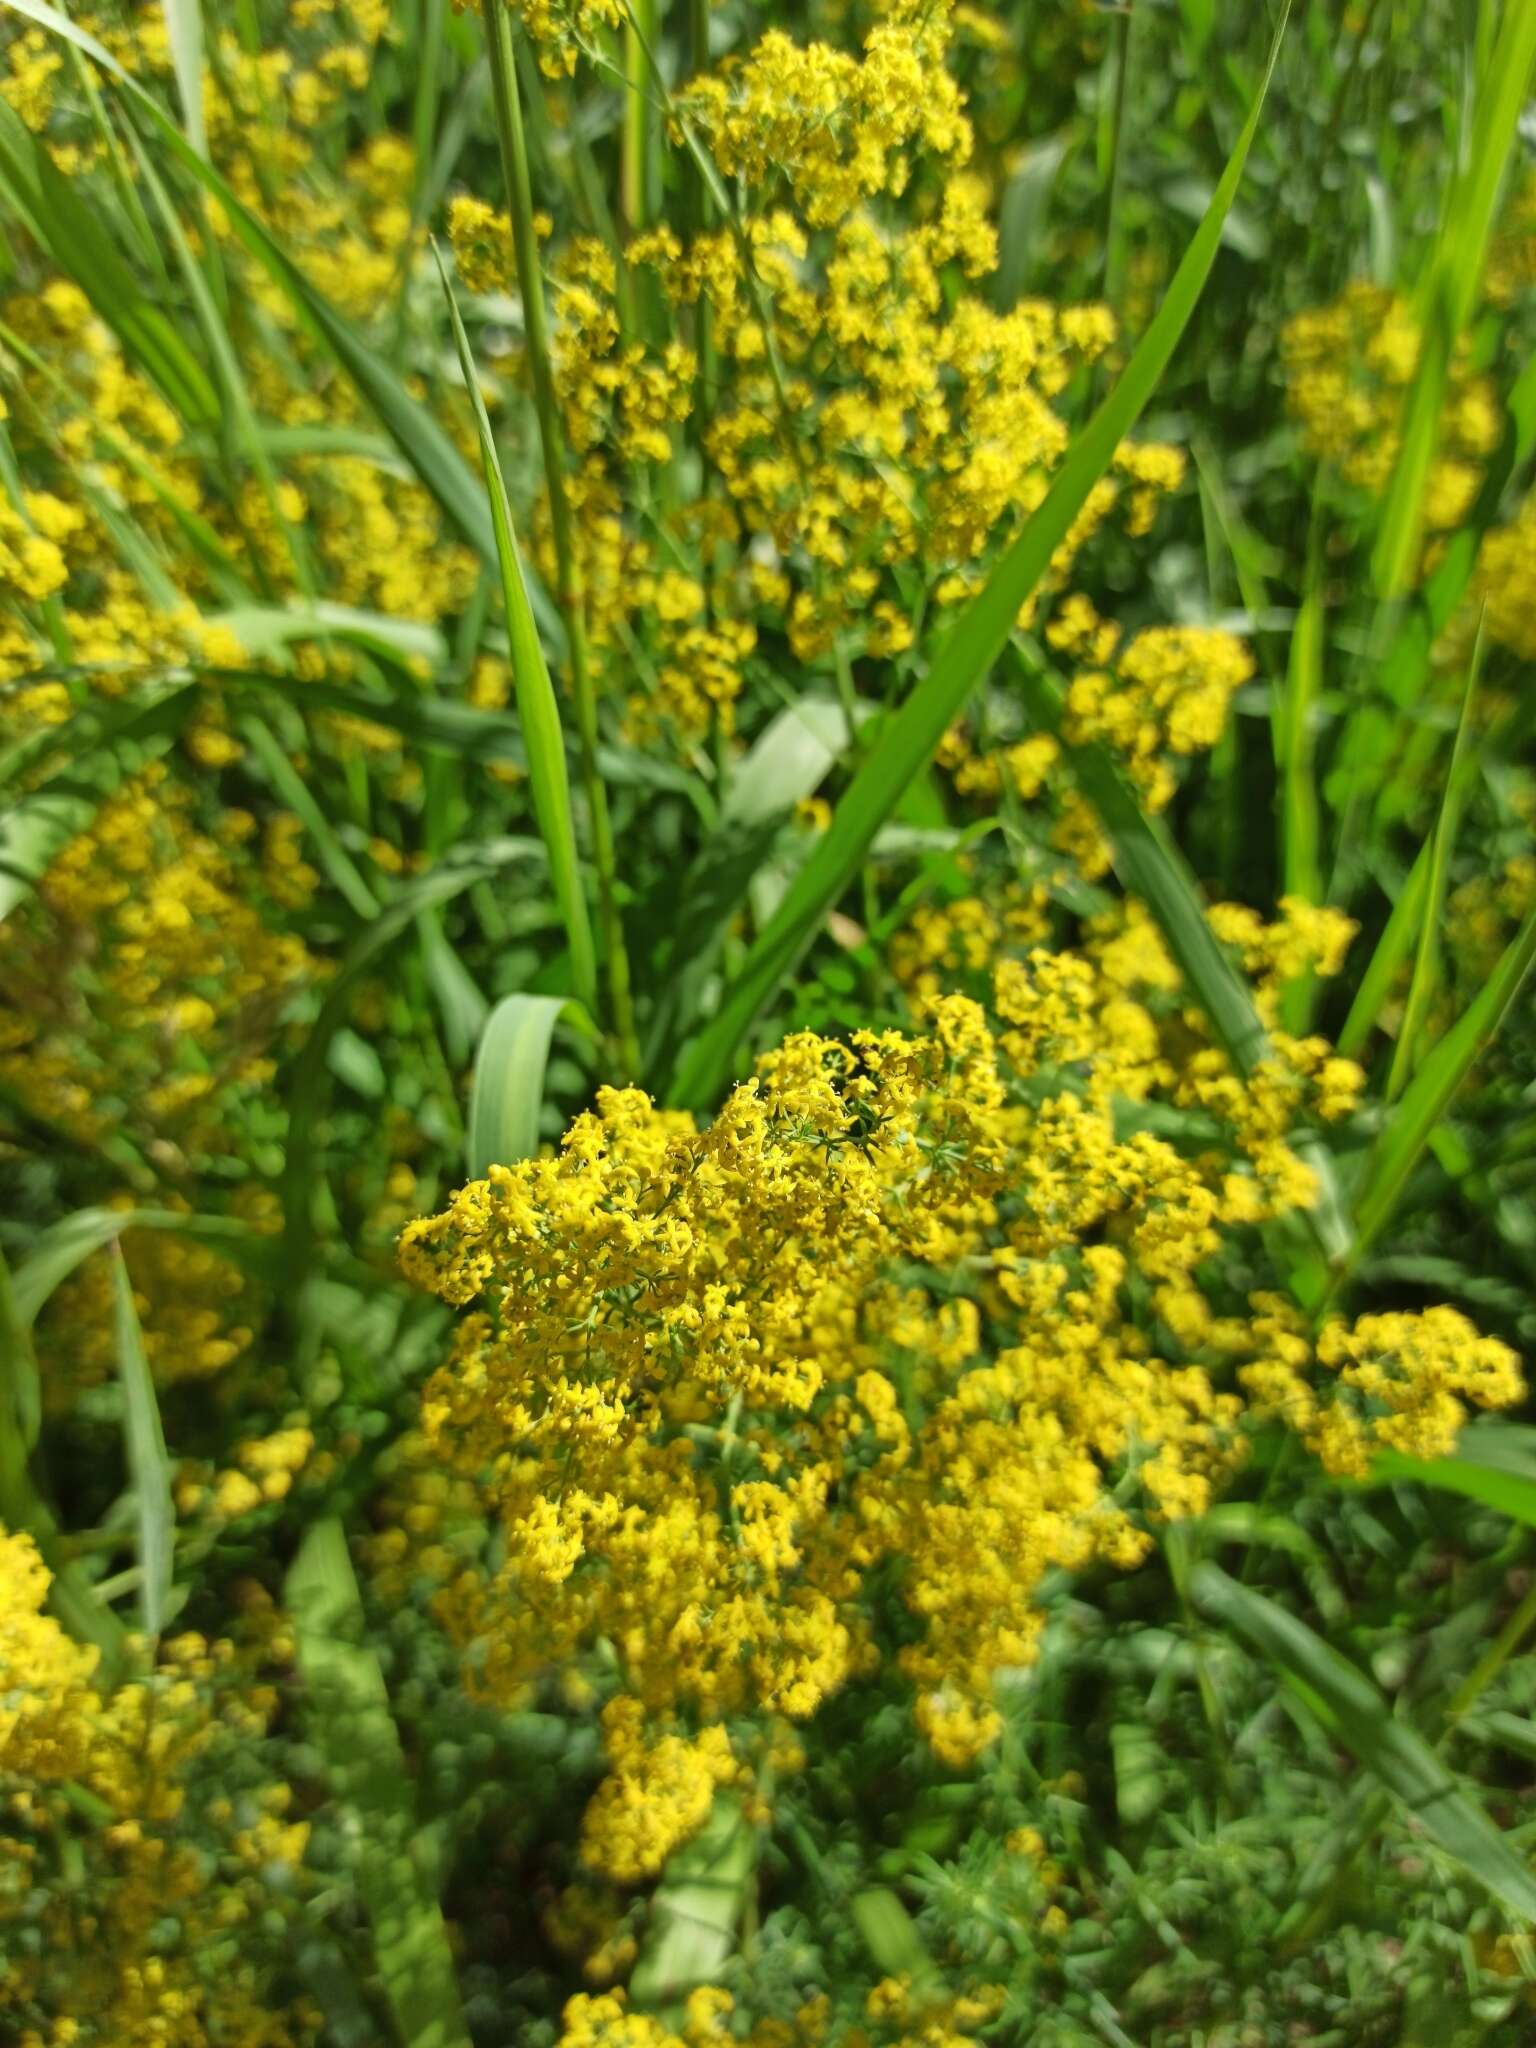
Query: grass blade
point(966, 655)
point(508, 1088)
point(184, 29)
point(149, 1464)
point(1494, 1462)
point(58, 1250)
point(537, 708)
point(1351, 1708)
point(1432, 1090)
point(1426, 961)
point(351, 1724)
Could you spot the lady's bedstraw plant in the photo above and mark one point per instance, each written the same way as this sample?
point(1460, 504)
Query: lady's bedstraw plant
point(916, 1315)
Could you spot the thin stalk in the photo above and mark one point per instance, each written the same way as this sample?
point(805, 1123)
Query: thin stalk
point(1426, 959)
point(638, 145)
point(569, 591)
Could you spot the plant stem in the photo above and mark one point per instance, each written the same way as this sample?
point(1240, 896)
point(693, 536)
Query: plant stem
point(569, 590)
point(635, 161)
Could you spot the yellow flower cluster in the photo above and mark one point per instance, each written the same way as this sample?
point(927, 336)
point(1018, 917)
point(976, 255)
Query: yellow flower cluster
point(1401, 1381)
point(884, 1307)
point(1348, 368)
point(873, 430)
point(138, 1942)
point(837, 129)
point(142, 985)
point(1505, 581)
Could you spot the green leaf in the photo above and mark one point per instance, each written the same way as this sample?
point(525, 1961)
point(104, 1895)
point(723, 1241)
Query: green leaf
point(1494, 1462)
point(57, 1251)
point(537, 707)
point(1432, 1090)
point(149, 1464)
point(184, 29)
point(967, 653)
point(697, 1907)
point(1350, 1707)
point(507, 1092)
point(347, 1705)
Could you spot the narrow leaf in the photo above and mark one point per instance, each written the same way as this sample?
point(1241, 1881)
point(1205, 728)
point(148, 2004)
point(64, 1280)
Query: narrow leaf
point(149, 1464)
point(537, 708)
point(507, 1092)
point(1432, 1090)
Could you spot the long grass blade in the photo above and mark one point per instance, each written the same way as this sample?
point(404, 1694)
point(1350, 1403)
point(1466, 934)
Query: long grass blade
point(184, 29)
point(354, 1730)
point(1351, 1708)
point(1430, 1093)
point(149, 1463)
point(1494, 1463)
point(537, 707)
point(57, 1251)
point(1421, 987)
point(507, 1092)
point(966, 655)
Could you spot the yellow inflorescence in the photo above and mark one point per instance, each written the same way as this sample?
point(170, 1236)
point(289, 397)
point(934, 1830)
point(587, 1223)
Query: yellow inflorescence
point(883, 1307)
point(142, 1931)
point(1349, 366)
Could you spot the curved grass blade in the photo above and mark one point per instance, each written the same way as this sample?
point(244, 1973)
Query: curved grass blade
point(508, 1087)
point(1426, 959)
point(149, 1464)
point(64, 1245)
point(1494, 1463)
point(1430, 1093)
point(354, 1730)
point(538, 710)
point(184, 31)
point(1350, 1707)
point(965, 656)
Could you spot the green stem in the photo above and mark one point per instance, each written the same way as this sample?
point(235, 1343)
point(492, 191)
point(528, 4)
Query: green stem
point(571, 596)
point(639, 120)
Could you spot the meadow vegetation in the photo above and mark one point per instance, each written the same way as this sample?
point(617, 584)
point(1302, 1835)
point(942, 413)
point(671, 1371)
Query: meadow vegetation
point(767, 1143)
